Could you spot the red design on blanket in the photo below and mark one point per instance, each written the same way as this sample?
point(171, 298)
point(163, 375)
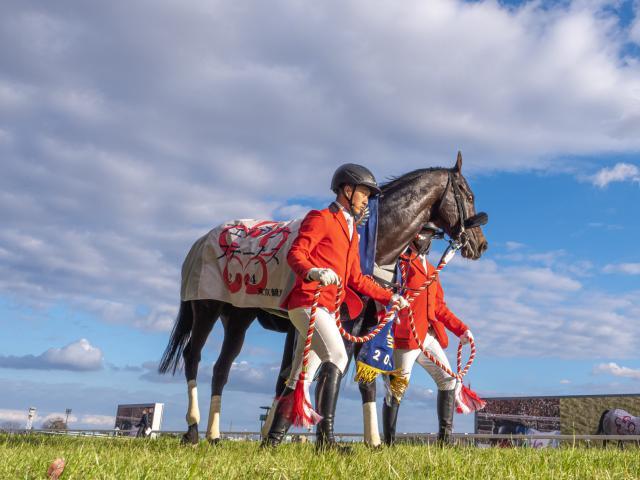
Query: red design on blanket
point(625, 425)
point(252, 273)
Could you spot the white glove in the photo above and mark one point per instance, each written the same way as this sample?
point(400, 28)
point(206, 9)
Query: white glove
point(400, 300)
point(466, 337)
point(325, 276)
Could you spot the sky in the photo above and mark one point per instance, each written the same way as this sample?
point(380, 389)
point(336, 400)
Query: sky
point(127, 131)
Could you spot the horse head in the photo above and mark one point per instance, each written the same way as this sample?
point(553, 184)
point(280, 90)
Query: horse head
point(456, 214)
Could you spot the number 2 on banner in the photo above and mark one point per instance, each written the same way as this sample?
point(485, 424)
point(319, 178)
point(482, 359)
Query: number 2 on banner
point(376, 356)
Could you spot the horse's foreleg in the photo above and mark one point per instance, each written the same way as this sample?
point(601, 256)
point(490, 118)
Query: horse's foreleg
point(359, 326)
point(283, 375)
point(370, 414)
point(235, 327)
point(205, 315)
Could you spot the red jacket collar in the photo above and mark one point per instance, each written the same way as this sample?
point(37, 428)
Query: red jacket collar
point(339, 216)
point(416, 262)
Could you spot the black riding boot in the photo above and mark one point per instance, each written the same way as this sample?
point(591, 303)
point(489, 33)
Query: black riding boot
point(446, 403)
point(389, 420)
point(279, 426)
point(327, 390)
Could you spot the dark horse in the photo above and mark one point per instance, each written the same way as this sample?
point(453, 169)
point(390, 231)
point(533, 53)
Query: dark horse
point(441, 195)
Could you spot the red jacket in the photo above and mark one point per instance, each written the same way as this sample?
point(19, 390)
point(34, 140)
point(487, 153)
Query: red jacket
point(429, 309)
point(323, 242)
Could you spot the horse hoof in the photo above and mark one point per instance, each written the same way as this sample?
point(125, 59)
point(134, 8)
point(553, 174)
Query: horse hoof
point(191, 437)
point(214, 441)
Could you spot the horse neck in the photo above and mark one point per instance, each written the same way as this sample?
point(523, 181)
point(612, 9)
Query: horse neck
point(404, 210)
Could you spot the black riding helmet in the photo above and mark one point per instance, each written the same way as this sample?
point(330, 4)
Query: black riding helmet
point(422, 243)
point(353, 174)
point(433, 229)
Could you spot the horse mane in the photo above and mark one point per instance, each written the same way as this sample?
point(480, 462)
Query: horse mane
point(394, 182)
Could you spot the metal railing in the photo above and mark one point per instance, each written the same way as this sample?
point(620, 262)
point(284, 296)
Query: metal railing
point(469, 438)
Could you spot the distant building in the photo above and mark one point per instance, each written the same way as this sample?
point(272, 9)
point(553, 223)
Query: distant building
point(129, 415)
point(567, 414)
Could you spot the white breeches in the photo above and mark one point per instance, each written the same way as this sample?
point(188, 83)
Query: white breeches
point(326, 344)
point(404, 360)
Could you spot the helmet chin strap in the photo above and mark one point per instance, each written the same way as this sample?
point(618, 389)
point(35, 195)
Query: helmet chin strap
point(422, 248)
point(350, 198)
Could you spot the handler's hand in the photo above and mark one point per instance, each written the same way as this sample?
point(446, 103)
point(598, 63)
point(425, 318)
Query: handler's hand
point(325, 276)
point(400, 300)
point(466, 337)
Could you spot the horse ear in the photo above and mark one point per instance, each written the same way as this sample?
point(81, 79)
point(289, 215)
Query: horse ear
point(458, 166)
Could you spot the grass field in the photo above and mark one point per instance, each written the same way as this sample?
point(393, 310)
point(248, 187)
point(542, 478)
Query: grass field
point(96, 458)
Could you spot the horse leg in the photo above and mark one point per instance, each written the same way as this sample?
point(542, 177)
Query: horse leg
point(205, 314)
point(283, 375)
point(370, 414)
point(367, 390)
point(236, 322)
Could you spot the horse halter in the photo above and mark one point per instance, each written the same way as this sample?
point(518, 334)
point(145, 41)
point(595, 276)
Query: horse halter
point(461, 237)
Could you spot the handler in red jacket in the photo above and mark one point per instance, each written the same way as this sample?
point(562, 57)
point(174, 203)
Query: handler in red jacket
point(326, 251)
point(431, 316)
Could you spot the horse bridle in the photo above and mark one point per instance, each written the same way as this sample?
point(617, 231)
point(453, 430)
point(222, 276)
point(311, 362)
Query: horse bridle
point(460, 238)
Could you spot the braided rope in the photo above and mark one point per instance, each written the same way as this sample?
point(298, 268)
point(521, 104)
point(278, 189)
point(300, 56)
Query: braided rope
point(343, 332)
point(411, 296)
point(365, 338)
point(310, 330)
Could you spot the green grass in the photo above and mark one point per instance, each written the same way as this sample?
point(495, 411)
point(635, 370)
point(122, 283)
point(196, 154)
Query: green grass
point(28, 456)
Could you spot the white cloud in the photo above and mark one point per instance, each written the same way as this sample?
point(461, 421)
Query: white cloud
point(107, 178)
point(80, 355)
point(75, 421)
point(616, 370)
point(626, 268)
point(522, 309)
point(514, 245)
point(52, 415)
point(620, 172)
point(77, 356)
point(105, 421)
point(565, 381)
point(14, 416)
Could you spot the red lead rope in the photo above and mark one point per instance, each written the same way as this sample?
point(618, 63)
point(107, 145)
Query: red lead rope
point(297, 406)
point(467, 400)
point(411, 296)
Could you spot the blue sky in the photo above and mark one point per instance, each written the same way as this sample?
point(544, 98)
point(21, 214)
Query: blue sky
point(125, 134)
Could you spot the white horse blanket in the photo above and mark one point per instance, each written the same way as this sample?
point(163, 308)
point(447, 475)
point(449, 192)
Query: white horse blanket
point(242, 262)
point(620, 422)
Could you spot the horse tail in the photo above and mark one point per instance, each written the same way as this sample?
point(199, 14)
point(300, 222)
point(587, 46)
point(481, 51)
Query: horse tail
point(180, 335)
point(600, 430)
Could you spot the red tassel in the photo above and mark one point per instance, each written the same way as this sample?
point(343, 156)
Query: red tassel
point(297, 407)
point(467, 400)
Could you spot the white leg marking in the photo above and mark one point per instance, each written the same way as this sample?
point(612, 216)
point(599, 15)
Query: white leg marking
point(213, 427)
point(193, 412)
point(371, 433)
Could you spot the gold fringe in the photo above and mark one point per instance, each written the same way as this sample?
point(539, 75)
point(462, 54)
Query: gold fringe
point(398, 383)
point(366, 373)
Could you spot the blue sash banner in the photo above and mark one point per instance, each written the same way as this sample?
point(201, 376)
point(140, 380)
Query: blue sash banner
point(376, 355)
point(368, 233)
point(368, 238)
